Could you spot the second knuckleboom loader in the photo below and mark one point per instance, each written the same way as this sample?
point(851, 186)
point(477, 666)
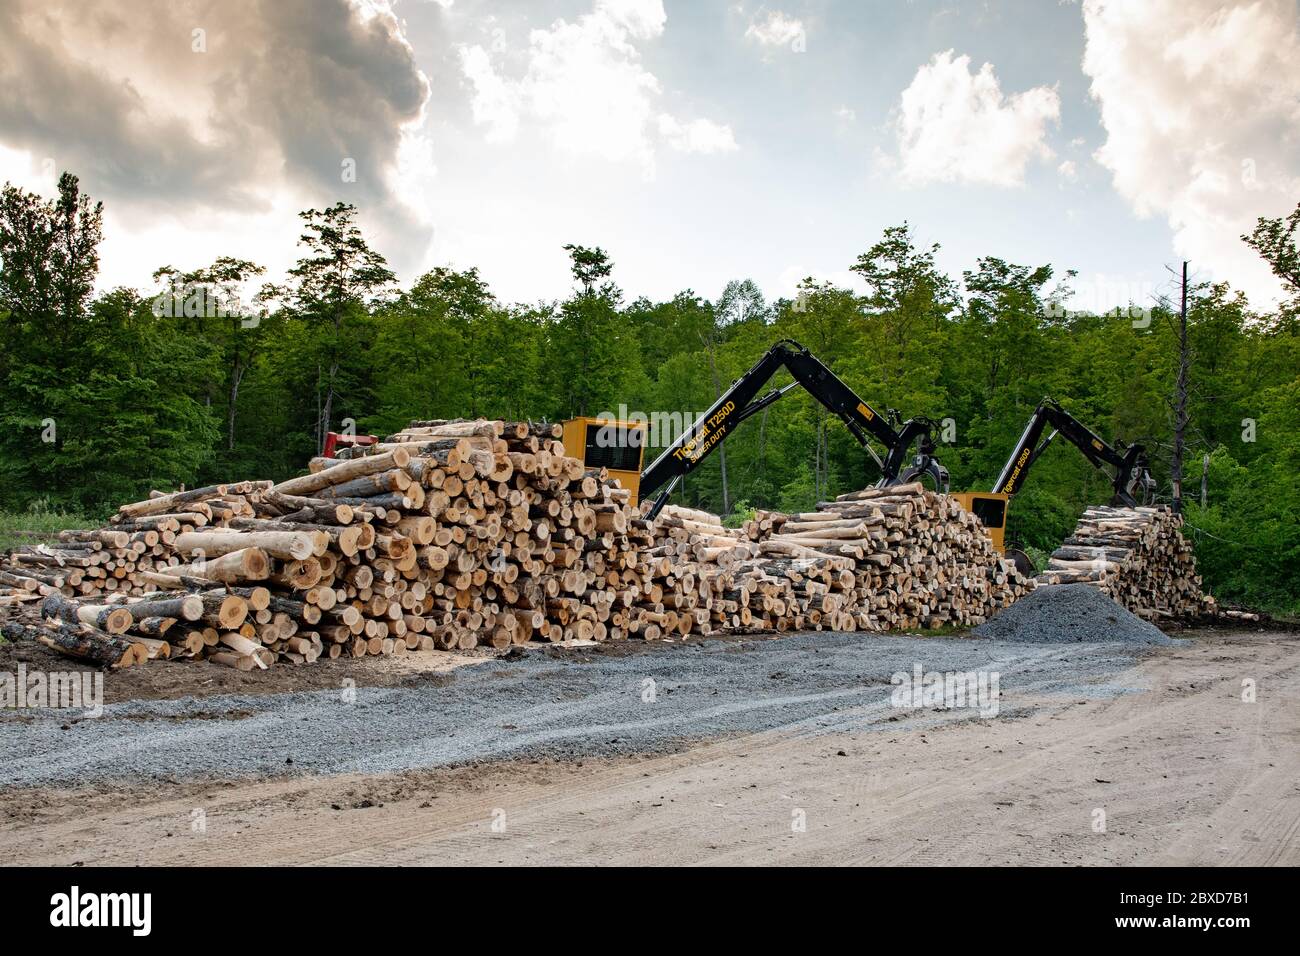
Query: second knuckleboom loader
point(1132, 482)
point(618, 446)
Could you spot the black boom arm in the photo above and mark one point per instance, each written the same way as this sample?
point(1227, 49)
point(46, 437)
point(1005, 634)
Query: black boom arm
point(1132, 482)
point(740, 402)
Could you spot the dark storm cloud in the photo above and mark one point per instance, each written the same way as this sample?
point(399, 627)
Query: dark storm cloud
point(284, 93)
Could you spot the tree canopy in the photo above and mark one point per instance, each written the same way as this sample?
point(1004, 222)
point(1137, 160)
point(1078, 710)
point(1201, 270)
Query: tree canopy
point(106, 395)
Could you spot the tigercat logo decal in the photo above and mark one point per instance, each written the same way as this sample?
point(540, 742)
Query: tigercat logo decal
point(1015, 472)
point(865, 412)
point(709, 432)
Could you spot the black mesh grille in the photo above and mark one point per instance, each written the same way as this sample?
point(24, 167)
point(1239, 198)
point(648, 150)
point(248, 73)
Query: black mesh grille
point(991, 511)
point(613, 447)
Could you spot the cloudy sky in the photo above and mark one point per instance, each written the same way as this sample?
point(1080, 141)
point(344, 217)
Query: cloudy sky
point(697, 141)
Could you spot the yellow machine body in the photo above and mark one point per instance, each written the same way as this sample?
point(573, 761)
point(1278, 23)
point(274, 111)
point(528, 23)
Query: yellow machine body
point(604, 443)
point(991, 509)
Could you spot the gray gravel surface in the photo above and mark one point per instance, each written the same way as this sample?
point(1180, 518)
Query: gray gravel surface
point(1069, 614)
point(546, 704)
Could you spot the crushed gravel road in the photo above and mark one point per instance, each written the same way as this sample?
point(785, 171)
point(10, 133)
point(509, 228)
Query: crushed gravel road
point(603, 701)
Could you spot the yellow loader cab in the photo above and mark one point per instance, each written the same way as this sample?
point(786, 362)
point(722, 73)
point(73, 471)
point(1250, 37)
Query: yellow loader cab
point(613, 445)
point(991, 508)
point(1131, 478)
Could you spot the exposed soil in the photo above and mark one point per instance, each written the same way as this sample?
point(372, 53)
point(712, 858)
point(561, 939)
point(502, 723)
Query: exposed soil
point(170, 680)
point(1184, 770)
point(173, 679)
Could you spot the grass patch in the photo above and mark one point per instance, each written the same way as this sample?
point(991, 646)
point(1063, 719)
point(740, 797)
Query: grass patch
point(38, 524)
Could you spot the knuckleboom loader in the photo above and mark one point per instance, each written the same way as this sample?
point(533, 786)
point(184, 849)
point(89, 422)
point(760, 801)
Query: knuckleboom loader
point(618, 445)
point(1130, 478)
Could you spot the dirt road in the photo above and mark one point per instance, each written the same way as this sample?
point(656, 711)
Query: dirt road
point(1160, 762)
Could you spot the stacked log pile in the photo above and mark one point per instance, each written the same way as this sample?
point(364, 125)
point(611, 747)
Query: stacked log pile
point(449, 534)
point(918, 559)
point(458, 534)
point(1137, 556)
point(875, 560)
point(98, 561)
point(714, 578)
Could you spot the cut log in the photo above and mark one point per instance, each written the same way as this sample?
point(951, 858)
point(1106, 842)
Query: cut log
point(79, 641)
point(247, 564)
point(343, 471)
point(110, 619)
point(288, 545)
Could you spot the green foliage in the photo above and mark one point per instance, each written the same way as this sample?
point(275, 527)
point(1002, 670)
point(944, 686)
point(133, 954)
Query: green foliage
point(335, 286)
point(99, 399)
point(141, 397)
point(742, 512)
point(590, 342)
point(799, 493)
point(1039, 519)
point(1275, 241)
point(40, 522)
point(1247, 537)
point(1037, 557)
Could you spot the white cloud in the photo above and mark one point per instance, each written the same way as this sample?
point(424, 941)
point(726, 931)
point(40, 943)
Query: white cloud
point(954, 125)
point(585, 87)
point(25, 170)
point(791, 277)
point(1068, 170)
point(643, 19)
point(697, 136)
point(777, 29)
point(495, 104)
point(1200, 100)
point(264, 109)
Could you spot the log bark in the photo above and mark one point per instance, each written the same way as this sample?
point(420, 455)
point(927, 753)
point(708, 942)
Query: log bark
point(247, 564)
point(110, 619)
point(343, 471)
point(79, 641)
point(288, 545)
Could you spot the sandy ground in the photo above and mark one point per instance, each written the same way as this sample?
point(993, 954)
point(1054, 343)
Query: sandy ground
point(1183, 769)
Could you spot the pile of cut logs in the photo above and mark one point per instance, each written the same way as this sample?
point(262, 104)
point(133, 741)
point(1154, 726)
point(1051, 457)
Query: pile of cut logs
point(449, 534)
point(917, 558)
point(874, 560)
point(713, 578)
point(1137, 556)
point(456, 534)
point(96, 562)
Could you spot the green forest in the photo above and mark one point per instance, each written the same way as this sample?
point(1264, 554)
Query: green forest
point(105, 395)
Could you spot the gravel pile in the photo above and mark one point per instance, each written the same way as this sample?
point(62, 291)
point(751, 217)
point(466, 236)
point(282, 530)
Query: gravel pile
point(1066, 614)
